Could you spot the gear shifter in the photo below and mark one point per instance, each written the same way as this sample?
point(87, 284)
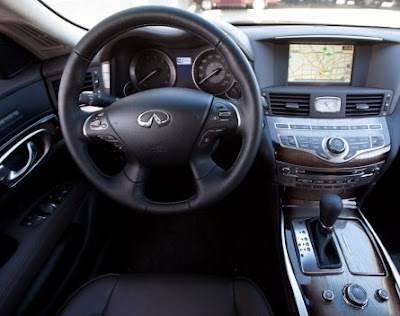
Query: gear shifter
point(330, 207)
point(321, 232)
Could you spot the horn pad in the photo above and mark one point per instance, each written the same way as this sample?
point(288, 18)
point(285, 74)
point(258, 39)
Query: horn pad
point(160, 126)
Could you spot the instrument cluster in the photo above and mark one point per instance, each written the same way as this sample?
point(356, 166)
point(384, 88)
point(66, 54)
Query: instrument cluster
point(206, 70)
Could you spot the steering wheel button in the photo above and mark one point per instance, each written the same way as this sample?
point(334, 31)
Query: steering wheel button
point(95, 124)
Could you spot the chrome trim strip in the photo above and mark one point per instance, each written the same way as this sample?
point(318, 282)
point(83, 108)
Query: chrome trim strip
point(47, 144)
point(330, 36)
point(385, 253)
point(237, 114)
point(301, 307)
point(41, 121)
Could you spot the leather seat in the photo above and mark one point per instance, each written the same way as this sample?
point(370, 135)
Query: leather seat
point(154, 295)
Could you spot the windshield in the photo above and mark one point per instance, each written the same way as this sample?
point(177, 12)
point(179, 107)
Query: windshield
point(380, 13)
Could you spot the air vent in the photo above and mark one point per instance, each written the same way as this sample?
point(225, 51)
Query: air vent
point(87, 85)
point(363, 104)
point(44, 41)
point(289, 104)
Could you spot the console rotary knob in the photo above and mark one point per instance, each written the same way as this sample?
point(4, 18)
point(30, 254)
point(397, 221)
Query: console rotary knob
point(355, 295)
point(336, 145)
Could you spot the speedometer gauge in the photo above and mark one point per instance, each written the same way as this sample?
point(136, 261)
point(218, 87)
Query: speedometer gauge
point(150, 69)
point(211, 73)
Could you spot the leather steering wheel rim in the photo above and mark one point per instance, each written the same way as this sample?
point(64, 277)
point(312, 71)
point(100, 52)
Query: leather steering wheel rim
point(211, 186)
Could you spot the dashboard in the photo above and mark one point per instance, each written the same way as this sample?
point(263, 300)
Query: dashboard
point(328, 93)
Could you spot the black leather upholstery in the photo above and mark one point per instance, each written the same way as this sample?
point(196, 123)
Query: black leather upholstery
point(167, 296)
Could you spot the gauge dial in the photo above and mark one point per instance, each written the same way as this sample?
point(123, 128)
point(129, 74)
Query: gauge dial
point(211, 73)
point(150, 69)
point(235, 92)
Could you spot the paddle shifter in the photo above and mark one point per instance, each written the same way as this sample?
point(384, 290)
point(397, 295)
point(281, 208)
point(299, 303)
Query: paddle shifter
point(321, 231)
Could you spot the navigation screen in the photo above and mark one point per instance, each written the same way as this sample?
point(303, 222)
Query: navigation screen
point(320, 63)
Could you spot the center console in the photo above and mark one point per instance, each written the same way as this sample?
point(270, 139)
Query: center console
point(327, 104)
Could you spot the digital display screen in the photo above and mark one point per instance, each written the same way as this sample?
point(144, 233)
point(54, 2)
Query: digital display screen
point(320, 63)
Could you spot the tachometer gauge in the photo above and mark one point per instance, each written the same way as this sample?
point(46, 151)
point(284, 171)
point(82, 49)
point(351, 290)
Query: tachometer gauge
point(211, 73)
point(150, 69)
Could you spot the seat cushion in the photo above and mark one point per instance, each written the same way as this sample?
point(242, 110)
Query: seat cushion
point(155, 295)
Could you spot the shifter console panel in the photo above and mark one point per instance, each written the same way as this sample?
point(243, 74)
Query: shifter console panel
point(306, 252)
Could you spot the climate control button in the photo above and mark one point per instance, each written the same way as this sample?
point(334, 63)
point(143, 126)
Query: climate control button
point(336, 145)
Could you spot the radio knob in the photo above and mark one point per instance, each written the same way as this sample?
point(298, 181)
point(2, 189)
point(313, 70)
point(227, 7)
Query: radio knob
point(336, 145)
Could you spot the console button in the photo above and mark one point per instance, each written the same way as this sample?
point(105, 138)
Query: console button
point(300, 126)
point(375, 126)
point(281, 125)
point(355, 295)
point(364, 146)
point(358, 127)
point(377, 141)
point(305, 146)
point(291, 141)
point(336, 145)
point(382, 295)
point(328, 296)
point(284, 140)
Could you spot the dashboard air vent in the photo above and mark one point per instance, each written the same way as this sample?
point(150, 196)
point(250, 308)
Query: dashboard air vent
point(87, 85)
point(363, 104)
point(289, 104)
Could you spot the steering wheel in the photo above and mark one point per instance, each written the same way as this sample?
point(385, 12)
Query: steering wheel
point(163, 127)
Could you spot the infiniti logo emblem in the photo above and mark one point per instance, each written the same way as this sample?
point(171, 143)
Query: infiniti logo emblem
point(161, 118)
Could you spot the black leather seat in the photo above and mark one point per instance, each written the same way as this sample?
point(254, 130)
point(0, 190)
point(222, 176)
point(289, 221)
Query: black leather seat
point(156, 295)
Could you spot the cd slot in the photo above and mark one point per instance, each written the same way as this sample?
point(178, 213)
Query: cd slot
point(328, 173)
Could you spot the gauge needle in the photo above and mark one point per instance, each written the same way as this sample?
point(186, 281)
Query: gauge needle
point(213, 73)
point(148, 76)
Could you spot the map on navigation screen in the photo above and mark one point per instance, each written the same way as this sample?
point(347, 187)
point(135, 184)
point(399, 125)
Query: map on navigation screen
point(320, 63)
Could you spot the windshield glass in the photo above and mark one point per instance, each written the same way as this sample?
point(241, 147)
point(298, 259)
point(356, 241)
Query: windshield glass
point(380, 13)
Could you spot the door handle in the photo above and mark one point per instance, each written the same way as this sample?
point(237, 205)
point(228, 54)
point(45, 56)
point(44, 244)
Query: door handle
point(8, 175)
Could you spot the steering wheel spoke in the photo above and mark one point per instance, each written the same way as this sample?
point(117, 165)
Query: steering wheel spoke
point(223, 118)
point(97, 127)
point(135, 171)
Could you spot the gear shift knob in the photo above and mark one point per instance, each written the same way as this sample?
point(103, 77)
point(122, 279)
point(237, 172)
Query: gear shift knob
point(330, 207)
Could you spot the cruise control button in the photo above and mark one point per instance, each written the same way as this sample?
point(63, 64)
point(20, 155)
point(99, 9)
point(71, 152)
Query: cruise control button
point(208, 137)
point(106, 137)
